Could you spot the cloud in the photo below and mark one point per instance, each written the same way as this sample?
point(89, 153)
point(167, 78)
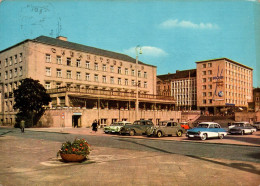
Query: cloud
point(147, 51)
point(172, 23)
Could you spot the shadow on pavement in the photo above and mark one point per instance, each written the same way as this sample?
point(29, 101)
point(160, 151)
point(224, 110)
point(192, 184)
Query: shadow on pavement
point(4, 133)
point(251, 140)
point(240, 166)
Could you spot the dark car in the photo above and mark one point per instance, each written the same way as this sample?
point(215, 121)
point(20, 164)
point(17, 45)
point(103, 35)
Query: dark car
point(138, 127)
point(242, 128)
point(257, 125)
point(166, 128)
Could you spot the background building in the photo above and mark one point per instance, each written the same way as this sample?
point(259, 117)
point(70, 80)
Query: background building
point(181, 86)
point(223, 86)
point(80, 77)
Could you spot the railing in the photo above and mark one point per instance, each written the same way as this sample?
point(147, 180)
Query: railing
point(107, 93)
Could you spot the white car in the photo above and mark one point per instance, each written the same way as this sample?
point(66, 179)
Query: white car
point(207, 130)
point(242, 128)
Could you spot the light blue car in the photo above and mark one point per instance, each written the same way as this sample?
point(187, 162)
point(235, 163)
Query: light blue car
point(207, 130)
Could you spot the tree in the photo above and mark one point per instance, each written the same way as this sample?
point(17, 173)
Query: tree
point(30, 98)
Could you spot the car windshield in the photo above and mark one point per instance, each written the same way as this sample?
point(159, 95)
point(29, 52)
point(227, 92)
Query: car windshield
point(203, 125)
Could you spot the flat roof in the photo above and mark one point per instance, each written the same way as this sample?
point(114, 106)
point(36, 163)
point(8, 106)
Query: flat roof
point(224, 58)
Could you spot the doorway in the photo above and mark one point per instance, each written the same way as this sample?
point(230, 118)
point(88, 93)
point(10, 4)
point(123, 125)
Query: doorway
point(76, 121)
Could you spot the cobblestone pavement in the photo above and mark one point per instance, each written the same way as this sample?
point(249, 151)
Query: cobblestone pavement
point(26, 161)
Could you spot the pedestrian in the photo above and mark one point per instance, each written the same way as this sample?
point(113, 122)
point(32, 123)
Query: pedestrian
point(22, 125)
point(94, 126)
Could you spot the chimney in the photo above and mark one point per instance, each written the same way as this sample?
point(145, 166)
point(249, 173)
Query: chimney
point(62, 38)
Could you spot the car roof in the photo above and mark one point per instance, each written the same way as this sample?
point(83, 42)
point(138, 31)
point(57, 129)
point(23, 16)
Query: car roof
point(206, 122)
point(124, 122)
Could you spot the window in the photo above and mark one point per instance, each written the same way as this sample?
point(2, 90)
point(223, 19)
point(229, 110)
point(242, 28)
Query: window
point(209, 72)
point(126, 71)
point(48, 71)
point(96, 66)
point(112, 80)
point(204, 101)
point(139, 74)
point(20, 71)
point(119, 81)
point(204, 87)
point(15, 59)
point(47, 85)
point(210, 86)
point(68, 74)
point(58, 73)
point(145, 74)
point(145, 84)
point(126, 81)
point(210, 101)
point(96, 77)
point(21, 57)
point(119, 70)
point(6, 74)
point(204, 94)
point(139, 83)
point(133, 82)
point(209, 64)
point(104, 67)
point(11, 74)
point(210, 94)
point(204, 65)
point(58, 85)
point(48, 58)
point(78, 77)
point(111, 68)
point(68, 61)
point(210, 79)
point(204, 80)
point(78, 63)
point(87, 76)
point(87, 64)
point(11, 61)
point(6, 62)
point(133, 72)
point(104, 79)
point(59, 61)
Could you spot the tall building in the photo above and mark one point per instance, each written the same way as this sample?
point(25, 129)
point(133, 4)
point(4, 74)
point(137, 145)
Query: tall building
point(223, 84)
point(79, 76)
point(181, 86)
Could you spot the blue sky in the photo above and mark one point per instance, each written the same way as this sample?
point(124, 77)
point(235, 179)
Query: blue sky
point(173, 34)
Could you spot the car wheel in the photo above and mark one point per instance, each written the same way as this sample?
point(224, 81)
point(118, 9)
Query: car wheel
point(221, 136)
point(159, 134)
point(179, 133)
point(204, 137)
point(132, 133)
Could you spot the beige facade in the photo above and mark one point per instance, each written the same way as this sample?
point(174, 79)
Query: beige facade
point(58, 63)
point(223, 83)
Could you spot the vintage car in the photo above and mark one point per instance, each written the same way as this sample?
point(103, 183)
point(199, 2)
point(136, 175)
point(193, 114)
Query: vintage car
point(166, 128)
point(257, 125)
point(116, 127)
point(185, 125)
point(138, 127)
point(206, 130)
point(242, 128)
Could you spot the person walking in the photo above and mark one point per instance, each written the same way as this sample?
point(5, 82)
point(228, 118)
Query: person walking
point(94, 126)
point(22, 123)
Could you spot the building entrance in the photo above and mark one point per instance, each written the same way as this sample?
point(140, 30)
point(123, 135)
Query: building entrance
point(76, 121)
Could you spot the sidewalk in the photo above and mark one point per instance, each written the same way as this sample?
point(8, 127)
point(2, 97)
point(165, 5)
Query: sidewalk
point(249, 140)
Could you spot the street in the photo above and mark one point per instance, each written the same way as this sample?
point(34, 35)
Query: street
point(30, 159)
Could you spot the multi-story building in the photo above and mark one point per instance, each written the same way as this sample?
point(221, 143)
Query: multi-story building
point(181, 86)
point(223, 84)
point(256, 96)
point(83, 77)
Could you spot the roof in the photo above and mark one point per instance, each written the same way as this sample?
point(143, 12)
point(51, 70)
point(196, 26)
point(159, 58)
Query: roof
point(79, 47)
point(224, 58)
point(178, 75)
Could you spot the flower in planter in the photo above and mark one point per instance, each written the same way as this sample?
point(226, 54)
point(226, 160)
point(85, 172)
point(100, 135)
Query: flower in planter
point(78, 147)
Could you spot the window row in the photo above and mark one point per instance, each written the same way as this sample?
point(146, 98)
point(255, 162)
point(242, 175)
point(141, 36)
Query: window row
point(12, 60)
point(12, 73)
point(205, 65)
point(238, 68)
point(96, 66)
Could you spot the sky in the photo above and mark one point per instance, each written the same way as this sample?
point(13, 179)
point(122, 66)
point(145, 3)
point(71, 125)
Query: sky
point(173, 34)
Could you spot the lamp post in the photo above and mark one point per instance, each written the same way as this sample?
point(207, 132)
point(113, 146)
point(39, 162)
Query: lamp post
point(138, 50)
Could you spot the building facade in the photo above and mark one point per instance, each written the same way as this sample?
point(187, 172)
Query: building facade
point(223, 86)
point(181, 86)
point(78, 76)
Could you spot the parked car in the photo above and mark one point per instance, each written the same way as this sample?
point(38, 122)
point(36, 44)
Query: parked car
point(242, 128)
point(165, 128)
point(257, 125)
point(185, 125)
point(234, 124)
point(138, 127)
point(206, 130)
point(116, 127)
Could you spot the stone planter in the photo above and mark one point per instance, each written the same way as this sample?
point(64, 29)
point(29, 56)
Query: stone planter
point(72, 157)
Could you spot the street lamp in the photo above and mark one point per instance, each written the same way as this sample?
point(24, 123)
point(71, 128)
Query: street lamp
point(138, 50)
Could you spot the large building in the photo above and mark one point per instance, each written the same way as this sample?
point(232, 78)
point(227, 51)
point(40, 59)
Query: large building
point(82, 77)
point(222, 85)
point(181, 86)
